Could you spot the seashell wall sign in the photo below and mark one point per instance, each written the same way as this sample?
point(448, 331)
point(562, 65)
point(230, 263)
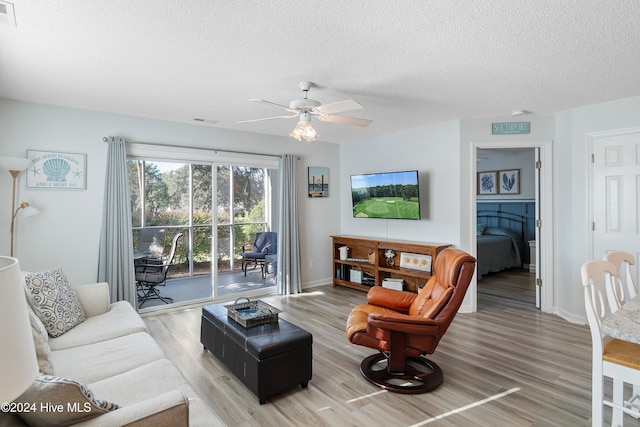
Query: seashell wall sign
point(57, 170)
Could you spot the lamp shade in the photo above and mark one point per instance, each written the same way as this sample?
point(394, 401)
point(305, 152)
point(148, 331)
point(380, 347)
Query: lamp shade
point(18, 363)
point(14, 163)
point(28, 210)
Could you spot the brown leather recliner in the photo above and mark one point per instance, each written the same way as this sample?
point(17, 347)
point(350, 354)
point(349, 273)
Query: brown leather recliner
point(404, 326)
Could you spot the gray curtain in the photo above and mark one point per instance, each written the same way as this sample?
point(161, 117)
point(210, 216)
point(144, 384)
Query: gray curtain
point(115, 265)
point(289, 281)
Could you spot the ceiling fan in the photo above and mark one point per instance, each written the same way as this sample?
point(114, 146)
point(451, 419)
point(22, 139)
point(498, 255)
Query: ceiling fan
point(305, 108)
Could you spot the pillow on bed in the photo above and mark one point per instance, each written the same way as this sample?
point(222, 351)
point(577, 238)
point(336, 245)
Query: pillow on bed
point(480, 229)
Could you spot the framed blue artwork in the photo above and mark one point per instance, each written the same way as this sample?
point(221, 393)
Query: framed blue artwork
point(57, 170)
point(318, 182)
point(487, 183)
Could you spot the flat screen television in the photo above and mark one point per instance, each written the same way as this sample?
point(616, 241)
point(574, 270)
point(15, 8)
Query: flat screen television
point(392, 195)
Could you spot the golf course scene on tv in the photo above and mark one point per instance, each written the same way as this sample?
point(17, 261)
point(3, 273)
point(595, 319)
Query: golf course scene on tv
point(393, 195)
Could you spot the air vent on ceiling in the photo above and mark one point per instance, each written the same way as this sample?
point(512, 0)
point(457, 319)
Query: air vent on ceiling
point(7, 14)
point(205, 121)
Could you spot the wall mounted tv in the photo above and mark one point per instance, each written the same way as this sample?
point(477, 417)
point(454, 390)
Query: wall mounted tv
point(393, 195)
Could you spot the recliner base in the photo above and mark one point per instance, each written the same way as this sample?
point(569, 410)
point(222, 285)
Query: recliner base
point(420, 376)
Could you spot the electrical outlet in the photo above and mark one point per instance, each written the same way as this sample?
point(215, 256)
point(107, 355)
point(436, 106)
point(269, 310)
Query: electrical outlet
point(312, 264)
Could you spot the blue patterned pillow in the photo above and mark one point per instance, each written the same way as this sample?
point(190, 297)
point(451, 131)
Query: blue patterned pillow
point(53, 301)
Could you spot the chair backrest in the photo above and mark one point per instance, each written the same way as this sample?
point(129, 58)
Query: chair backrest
point(155, 272)
point(623, 262)
point(152, 240)
point(442, 296)
point(172, 251)
point(266, 242)
point(596, 276)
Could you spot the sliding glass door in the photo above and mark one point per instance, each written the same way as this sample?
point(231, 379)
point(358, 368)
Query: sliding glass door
point(179, 197)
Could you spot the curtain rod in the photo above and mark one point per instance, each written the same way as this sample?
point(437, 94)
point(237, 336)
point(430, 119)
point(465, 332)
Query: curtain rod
point(106, 139)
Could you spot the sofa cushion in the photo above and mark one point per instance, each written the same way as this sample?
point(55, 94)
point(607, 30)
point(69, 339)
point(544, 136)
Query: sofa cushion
point(161, 376)
point(128, 387)
point(94, 298)
point(41, 342)
point(54, 301)
point(120, 320)
point(69, 402)
point(93, 362)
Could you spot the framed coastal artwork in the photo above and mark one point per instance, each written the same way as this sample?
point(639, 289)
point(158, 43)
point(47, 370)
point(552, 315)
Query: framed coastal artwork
point(509, 181)
point(487, 183)
point(318, 182)
point(57, 170)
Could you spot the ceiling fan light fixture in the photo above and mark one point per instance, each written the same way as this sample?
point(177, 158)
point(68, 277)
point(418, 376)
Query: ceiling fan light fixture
point(297, 132)
point(304, 130)
point(309, 133)
point(306, 107)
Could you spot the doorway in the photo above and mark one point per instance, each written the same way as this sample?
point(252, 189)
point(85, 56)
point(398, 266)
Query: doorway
point(543, 221)
point(506, 218)
point(614, 193)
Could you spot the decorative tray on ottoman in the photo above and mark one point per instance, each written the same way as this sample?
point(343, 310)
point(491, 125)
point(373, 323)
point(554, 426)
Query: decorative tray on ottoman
point(252, 313)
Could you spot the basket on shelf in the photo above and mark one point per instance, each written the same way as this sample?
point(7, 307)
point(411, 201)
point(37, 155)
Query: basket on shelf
point(252, 313)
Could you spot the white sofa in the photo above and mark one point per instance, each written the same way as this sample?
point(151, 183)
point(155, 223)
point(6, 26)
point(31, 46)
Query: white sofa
point(113, 355)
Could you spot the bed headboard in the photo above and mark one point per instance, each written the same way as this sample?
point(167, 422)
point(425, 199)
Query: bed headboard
point(511, 221)
point(514, 222)
point(516, 216)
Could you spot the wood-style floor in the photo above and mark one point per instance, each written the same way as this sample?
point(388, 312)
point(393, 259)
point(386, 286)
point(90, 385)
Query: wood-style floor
point(506, 365)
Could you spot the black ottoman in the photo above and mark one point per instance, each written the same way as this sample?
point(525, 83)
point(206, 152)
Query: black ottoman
point(268, 359)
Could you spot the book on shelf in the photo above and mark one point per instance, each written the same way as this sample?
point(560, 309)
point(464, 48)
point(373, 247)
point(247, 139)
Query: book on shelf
point(391, 283)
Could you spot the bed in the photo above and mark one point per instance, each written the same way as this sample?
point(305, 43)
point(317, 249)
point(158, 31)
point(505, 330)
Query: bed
point(500, 241)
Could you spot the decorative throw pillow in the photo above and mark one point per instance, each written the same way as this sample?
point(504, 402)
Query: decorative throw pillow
point(69, 402)
point(480, 229)
point(41, 342)
point(54, 301)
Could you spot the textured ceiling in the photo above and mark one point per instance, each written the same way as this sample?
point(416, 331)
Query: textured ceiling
point(408, 63)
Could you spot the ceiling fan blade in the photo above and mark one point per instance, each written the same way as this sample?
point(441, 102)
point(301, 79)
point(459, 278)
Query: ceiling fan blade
point(284, 107)
point(269, 118)
point(345, 120)
point(339, 107)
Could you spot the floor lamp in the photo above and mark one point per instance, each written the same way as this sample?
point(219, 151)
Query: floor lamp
point(15, 165)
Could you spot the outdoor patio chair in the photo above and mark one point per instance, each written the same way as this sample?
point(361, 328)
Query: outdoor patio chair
point(266, 243)
point(151, 274)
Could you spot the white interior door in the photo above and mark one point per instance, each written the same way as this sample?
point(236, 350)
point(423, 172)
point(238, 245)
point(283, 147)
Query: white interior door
point(616, 194)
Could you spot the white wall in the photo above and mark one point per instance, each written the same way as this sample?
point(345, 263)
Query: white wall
point(442, 151)
point(432, 150)
point(442, 154)
point(571, 171)
point(66, 232)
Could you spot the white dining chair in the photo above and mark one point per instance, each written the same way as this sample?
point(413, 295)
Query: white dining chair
point(619, 291)
point(611, 357)
point(625, 287)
